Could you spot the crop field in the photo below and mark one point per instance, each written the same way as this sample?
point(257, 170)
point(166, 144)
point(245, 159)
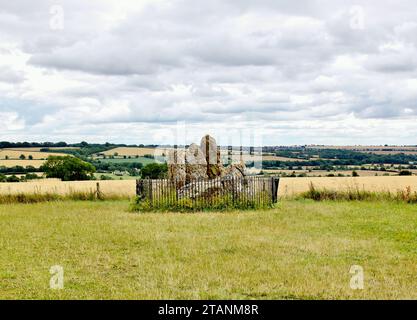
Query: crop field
point(126, 151)
point(247, 157)
point(142, 160)
point(323, 173)
point(293, 186)
point(22, 163)
point(299, 250)
point(288, 187)
point(123, 188)
point(15, 154)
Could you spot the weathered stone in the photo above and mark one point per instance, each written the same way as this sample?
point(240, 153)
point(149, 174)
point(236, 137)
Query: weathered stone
point(195, 169)
point(195, 162)
point(235, 170)
point(213, 158)
point(209, 147)
point(177, 167)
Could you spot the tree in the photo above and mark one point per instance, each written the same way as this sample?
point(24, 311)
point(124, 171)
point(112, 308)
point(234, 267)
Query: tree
point(405, 173)
point(355, 174)
point(30, 157)
point(68, 168)
point(22, 157)
point(154, 171)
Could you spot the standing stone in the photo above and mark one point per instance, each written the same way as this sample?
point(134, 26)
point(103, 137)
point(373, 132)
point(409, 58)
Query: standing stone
point(196, 164)
point(210, 150)
point(177, 166)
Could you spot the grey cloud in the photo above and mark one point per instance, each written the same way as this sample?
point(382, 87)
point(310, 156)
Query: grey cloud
point(207, 63)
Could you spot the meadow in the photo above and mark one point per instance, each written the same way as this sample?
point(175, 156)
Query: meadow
point(131, 151)
point(15, 154)
point(298, 250)
point(142, 160)
point(288, 187)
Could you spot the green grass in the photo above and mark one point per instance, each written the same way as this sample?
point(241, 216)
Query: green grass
point(115, 177)
point(299, 250)
point(142, 160)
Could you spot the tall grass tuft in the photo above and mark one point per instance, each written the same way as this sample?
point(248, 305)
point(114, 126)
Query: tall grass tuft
point(214, 203)
point(28, 198)
point(356, 194)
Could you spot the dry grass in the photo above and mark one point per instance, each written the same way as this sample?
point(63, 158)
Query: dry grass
point(22, 163)
point(15, 154)
point(293, 186)
point(109, 188)
point(289, 187)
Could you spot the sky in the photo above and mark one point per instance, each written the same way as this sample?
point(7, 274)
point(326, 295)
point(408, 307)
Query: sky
point(276, 72)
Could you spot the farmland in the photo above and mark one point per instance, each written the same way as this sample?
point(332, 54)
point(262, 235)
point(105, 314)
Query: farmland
point(15, 154)
point(299, 250)
point(289, 187)
point(131, 151)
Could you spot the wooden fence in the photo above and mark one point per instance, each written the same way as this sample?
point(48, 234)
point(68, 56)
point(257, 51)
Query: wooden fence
point(247, 192)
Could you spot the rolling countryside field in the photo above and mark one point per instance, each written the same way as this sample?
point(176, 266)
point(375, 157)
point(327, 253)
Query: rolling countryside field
point(15, 154)
point(288, 187)
point(299, 250)
point(127, 151)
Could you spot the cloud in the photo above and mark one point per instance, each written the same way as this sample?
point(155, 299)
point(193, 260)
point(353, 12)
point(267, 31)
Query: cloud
point(318, 67)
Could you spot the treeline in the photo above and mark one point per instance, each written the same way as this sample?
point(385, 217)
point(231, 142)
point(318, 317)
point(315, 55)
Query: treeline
point(14, 178)
point(83, 144)
point(103, 166)
point(339, 157)
point(18, 170)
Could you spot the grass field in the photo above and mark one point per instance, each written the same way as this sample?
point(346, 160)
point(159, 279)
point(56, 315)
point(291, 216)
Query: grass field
point(288, 187)
point(300, 250)
point(115, 177)
point(15, 154)
point(142, 160)
point(126, 151)
point(120, 188)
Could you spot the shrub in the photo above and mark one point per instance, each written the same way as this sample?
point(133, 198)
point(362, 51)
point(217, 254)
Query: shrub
point(405, 173)
point(212, 203)
point(68, 168)
point(154, 171)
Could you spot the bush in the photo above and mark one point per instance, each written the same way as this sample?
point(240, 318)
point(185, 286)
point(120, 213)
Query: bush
point(13, 178)
point(154, 171)
point(68, 168)
point(405, 173)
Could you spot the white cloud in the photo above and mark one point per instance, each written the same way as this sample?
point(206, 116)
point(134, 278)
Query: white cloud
point(128, 70)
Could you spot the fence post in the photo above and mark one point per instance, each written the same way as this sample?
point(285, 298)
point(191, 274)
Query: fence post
point(98, 192)
point(150, 187)
point(229, 155)
point(274, 189)
point(140, 189)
